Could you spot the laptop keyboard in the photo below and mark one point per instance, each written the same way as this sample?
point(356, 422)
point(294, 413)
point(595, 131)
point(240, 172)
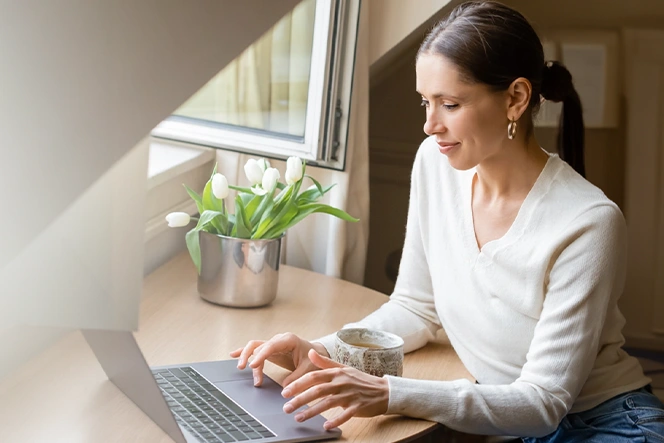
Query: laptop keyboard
point(204, 411)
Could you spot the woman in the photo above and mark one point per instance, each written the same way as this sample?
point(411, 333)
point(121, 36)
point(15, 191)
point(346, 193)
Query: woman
point(508, 248)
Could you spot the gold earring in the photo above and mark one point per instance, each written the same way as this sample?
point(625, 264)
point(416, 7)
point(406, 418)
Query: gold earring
point(511, 129)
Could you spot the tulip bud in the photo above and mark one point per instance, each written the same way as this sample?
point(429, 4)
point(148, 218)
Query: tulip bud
point(264, 164)
point(220, 186)
point(257, 190)
point(178, 219)
point(270, 179)
point(293, 170)
point(253, 171)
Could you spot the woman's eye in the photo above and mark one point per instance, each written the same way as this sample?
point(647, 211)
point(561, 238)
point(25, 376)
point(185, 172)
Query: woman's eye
point(424, 103)
point(450, 107)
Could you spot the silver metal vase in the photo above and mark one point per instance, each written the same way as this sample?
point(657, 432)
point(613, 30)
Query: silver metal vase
point(236, 272)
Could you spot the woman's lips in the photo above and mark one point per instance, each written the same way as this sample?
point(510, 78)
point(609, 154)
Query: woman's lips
point(446, 148)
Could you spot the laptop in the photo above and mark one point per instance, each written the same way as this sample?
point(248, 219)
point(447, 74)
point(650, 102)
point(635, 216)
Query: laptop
point(202, 402)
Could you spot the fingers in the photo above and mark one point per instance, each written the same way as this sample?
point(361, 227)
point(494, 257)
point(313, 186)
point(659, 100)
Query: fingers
point(246, 352)
point(297, 373)
point(342, 418)
point(308, 388)
point(269, 349)
point(236, 353)
point(320, 407)
point(258, 375)
point(321, 361)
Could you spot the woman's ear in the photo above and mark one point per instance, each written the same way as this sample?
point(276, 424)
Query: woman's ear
point(519, 94)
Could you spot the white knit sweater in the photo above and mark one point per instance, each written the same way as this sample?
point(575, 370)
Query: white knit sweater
point(533, 315)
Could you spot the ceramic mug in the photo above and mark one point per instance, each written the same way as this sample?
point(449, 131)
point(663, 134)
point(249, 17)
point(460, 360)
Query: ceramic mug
point(374, 352)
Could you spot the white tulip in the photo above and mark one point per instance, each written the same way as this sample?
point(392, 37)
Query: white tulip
point(220, 186)
point(253, 171)
point(264, 164)
point(258, 190)
point(178, 219)
point(270, 179)
point(293, 170)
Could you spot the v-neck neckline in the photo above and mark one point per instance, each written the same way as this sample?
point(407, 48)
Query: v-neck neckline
point(517, 224)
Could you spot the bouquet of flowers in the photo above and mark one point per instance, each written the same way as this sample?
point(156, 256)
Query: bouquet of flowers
point(264, 211)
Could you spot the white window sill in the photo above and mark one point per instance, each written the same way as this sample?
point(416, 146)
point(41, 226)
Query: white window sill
point(169, 160)
point(170, 164)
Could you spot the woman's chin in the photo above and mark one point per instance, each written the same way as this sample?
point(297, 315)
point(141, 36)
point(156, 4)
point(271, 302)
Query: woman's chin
point(459, 163)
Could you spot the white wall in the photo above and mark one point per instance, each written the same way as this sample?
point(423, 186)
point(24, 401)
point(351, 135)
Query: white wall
point(88, 81)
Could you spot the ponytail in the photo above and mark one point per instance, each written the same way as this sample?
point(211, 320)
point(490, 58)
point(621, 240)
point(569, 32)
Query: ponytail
point(557, 87)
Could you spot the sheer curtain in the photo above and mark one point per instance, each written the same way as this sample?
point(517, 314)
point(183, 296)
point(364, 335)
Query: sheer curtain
point(266, 87)
point(321, 242)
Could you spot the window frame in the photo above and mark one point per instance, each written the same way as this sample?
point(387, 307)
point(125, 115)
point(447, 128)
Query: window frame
point(328, 102)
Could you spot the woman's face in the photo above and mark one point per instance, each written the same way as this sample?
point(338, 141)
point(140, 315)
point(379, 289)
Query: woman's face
point(469, 121)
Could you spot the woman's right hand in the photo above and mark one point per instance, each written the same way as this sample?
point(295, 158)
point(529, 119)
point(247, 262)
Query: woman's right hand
point(286, 350)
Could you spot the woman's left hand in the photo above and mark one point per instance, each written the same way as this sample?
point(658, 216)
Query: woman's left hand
point(336, 385)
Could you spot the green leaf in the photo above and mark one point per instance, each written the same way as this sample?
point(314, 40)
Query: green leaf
point(241, 189)
point(283, 195)
point(318, 186)
point(246, 198)
point(191, 238)
point(194, 248)
point(251, 207)
point(280, 186)
point(209, 200)
point(309, 209)
point(242, 228)
point(281, 221)
point(266, 205)
point(289, 210)
point(327, 209)
point(311, 195)
point(196, 198)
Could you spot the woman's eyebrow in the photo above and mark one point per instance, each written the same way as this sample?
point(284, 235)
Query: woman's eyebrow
point(441, 94)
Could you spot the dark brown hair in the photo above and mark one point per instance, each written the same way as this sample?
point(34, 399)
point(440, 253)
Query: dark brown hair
point(493, 44)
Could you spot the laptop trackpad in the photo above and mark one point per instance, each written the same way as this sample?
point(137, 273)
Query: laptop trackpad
point(222, 370)
point(266, 404)
point(263, 400)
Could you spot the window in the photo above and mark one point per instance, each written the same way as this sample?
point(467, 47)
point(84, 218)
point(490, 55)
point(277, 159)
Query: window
point(287, 94)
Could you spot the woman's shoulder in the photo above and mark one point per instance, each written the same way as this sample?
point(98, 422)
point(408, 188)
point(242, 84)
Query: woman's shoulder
point(575, 197)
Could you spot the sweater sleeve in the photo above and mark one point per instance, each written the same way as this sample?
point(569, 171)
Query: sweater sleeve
point(585, 277)
point(410, 313)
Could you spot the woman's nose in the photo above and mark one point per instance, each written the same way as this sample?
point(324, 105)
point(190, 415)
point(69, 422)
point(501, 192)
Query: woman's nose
point(433, 124)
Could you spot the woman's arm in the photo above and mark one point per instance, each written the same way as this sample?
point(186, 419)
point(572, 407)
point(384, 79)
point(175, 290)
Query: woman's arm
point(585, 278)
point(410, 312)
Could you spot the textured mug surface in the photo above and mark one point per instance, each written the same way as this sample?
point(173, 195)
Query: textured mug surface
point(374, 352)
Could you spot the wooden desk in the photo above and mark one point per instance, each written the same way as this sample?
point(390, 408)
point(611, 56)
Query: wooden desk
point(63, 395)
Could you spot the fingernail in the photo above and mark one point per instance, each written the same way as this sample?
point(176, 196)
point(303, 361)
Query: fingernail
point(299, 417)
point(255, 381)
point(288, 408)
point(285, 393)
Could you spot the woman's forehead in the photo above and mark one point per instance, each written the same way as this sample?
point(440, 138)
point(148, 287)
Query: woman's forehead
point(436, 75)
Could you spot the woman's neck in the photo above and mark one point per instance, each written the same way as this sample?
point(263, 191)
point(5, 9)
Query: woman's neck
point(513, 172)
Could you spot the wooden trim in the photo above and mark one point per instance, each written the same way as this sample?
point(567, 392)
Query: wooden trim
point(391, 160)
point(643, 342)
